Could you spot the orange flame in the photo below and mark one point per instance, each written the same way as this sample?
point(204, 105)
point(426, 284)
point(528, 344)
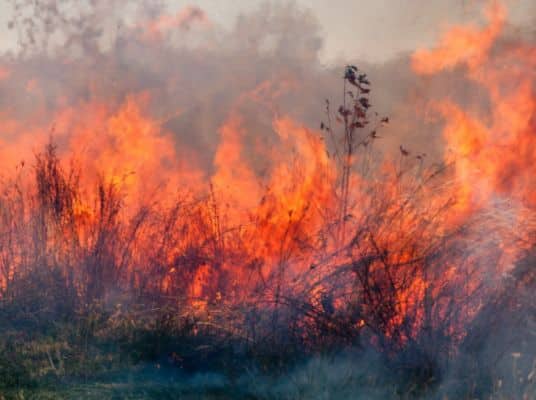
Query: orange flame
point(183, 20)
point(281, 222)
point(496, 154)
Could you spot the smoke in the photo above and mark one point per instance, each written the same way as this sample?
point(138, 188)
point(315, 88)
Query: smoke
point(194, 72)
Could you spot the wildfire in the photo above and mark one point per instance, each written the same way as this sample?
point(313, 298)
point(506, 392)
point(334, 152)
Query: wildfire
point(496, 153)
point(183, 20)
point(280, 225)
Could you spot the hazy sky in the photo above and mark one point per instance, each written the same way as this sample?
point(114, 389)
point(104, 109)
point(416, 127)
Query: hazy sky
point(370, 30)
point(373, 30)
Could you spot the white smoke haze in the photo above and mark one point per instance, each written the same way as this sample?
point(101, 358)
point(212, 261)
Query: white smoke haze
point(197, 68)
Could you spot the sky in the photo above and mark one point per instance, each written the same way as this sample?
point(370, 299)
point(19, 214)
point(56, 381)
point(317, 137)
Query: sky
point(375, 31)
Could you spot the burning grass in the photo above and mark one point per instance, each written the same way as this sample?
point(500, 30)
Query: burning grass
point(92, 289)
point(307, 264)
